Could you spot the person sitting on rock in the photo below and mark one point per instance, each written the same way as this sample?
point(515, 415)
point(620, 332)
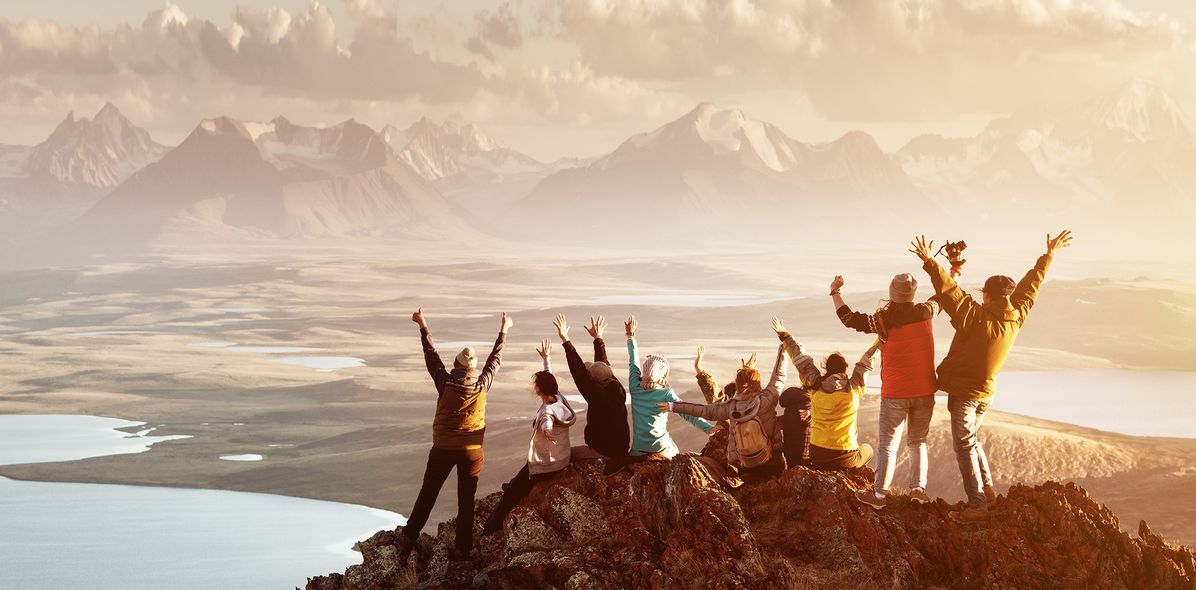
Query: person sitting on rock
point(548, 452)
point(606, 432)
point(835, 401)
point(754, 441)
point(650, 386)
point(795, 426)
point(457, 434)
point(984, 335)
point(906, 335)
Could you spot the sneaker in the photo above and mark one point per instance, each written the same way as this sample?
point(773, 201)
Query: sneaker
point(869, 498)
point(918, 495)
point(990, 495)
point(970, 515)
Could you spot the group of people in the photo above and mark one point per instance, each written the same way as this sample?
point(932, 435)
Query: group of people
point(818, 429)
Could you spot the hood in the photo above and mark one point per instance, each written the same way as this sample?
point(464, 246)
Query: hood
point(562, 411)
point(835, 382)
point(1002, 309)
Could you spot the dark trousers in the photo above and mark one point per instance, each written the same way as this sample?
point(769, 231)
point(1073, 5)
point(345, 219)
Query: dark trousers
point(440, 462)
point(796, 438)
point(517, 489)
point(836, 460)
point(773, 468)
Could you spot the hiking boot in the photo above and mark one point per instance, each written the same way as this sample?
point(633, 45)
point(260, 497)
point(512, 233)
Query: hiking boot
point(990, 495)
point(918, 496)
point(970, 515)
point(869, 498)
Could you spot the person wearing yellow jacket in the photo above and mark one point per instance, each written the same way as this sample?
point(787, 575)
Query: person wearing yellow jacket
point(835, 401)
point(984, 335)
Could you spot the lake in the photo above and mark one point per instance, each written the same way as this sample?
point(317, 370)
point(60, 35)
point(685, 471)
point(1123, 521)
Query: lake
point(69, 535)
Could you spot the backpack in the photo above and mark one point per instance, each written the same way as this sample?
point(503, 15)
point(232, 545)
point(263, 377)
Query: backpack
point(751, 442)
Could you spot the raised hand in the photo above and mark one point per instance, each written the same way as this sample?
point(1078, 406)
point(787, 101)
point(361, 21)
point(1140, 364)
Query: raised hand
point(418, 317)
point(698, 359)
point(922, 248)
point(837, 283)
point(562, 327)
point(596, 327)
point(630, 325)
point(545, 350)
point(507, 322)
point(1062, 240)
point(750, 363)
point(778, 326)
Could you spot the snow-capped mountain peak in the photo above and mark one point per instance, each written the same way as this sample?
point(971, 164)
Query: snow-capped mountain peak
point(1142, 110)
point(99, 152)
point(450, 148)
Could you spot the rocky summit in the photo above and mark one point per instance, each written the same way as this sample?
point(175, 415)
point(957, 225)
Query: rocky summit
point(674, 525)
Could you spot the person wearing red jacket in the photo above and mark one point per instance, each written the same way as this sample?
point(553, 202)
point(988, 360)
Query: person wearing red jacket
point(906, 336)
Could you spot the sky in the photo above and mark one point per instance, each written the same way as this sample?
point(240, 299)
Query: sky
point(577, 77)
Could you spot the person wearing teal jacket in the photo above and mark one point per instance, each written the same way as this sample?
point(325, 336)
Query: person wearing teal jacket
point(649, 386)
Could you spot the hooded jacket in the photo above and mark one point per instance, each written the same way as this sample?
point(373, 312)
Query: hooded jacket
point(834, 399)
point(543, 454)
point(606, 429)
point(762, 405)
point(460, 421)
point(984, 334)
point(650, 426)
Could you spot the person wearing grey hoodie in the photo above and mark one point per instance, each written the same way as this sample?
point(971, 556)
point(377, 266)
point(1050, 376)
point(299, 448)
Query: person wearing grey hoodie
point(549, 449)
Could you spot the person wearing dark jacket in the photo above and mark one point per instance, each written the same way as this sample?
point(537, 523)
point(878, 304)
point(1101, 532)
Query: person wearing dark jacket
point(907, 387)
point(795, 426)
point(606, 431)
point(984, 335)
point(457, 432)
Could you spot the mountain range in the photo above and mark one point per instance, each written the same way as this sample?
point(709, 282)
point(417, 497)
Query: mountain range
point(1125, 154)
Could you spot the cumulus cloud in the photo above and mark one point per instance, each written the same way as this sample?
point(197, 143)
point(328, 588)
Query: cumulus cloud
point(499, 28)
point(879, 60)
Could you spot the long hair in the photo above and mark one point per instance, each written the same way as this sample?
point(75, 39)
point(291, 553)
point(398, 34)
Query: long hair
point(747, 382)
point(835, 363)
point(544, 383)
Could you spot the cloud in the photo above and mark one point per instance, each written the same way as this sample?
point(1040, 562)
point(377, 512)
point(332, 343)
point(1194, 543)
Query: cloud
point(500, 28)
point(881, 60)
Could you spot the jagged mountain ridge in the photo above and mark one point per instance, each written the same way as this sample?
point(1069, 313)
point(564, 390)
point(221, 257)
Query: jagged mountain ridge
point(714, 163)
point(272, 179)
point(671, 525)
point(100, 152)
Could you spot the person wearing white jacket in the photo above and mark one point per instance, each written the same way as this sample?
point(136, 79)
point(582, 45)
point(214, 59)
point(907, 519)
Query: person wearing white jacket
point(548, 451)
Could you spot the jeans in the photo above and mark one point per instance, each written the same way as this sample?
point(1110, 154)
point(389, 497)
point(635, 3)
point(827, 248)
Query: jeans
point(517, 489)
point(896, 416)
point(468, 463)
point(966, 417)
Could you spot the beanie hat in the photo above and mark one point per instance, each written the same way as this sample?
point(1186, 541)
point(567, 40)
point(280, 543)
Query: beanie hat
point(600, 371)
point(999, 286)
point(902, 288)
point(656, 372)
point(466, 359)
point(802, 395)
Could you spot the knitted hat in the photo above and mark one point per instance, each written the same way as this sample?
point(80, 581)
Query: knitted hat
point(801, 395)
point(902, 288)
point(999, 286)
point(600, 371)
point(656, 372)
point(466, 359)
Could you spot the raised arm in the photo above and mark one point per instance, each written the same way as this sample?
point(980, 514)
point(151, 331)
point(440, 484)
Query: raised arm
point(595, 329)
point(959, 305)
point(862, 368)
point(807, 369)
point(633, 355)
point(486, 379)
point(860, 322)
point(431, 358)
point(577, 367)
point(1026, 292)
point(706, 382)
point(779, 371)
point(545, 352)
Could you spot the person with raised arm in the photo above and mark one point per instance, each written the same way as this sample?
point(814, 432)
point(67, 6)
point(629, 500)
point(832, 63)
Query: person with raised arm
point(606, 431)
point(906, 334)
point(754, 443)
point(649, 386)
point(458, 430)
point(548, 451)
point(984, 335)
point(834, 400)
